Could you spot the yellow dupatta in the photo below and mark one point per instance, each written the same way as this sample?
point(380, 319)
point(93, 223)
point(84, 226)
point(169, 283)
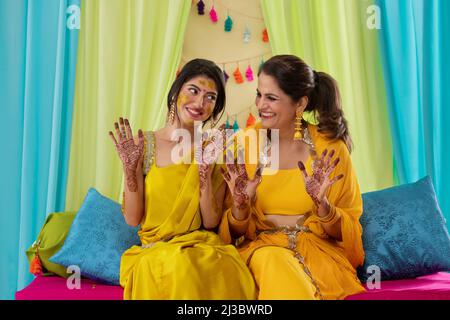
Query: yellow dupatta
point(177, 259)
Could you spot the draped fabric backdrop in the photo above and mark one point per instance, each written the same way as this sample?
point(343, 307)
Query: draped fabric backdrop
point(128, 57)
point(332, 36)
point(416, 49)
point(394, 84)
point(37, 73)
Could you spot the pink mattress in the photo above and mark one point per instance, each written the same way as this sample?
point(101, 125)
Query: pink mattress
point(431, 287)
point(55, 288)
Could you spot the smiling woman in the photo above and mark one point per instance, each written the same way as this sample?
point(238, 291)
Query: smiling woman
point(177, 203)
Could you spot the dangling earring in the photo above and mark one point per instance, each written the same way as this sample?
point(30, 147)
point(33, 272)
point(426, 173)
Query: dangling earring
point(298, 126)
point(171, 115)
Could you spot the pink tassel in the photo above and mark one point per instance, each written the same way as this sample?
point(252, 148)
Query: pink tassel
point(213, 15)
point(249, 74)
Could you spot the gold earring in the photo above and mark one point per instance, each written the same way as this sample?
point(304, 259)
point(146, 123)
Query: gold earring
point(298, 126)
point(171, 115)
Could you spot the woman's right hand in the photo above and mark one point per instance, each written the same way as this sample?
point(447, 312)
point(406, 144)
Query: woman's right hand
point(130, 152)
point(242, 188)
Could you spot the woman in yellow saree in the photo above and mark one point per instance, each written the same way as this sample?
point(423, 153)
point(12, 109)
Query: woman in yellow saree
point(176, 201)
point(297, 230)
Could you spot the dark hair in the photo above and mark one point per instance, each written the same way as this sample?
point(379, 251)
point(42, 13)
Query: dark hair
point(297, 80)
point(195, 68)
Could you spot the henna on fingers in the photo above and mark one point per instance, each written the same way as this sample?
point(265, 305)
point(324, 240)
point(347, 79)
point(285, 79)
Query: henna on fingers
point(129, 152)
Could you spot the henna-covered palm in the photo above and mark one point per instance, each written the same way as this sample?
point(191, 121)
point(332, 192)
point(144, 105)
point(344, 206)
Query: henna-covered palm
point(212, 147)
point(130, 151)
point(242, 188)
point(319, 181)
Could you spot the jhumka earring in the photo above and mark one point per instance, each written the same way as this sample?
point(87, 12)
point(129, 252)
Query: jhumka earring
point(171, 115)
point(298, 126)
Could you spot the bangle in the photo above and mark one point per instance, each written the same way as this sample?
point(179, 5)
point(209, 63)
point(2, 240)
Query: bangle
point(331, 218)
point(236, 222)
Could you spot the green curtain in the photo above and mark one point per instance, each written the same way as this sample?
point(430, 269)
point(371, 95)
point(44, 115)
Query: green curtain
point(332, 36)
point(128, 55)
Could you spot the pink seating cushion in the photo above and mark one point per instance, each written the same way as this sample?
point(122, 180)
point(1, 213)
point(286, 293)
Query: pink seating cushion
point(430, 287)
point(55, 288)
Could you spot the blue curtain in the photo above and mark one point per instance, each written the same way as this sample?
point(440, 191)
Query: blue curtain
point(415, 39)
point(38, 44)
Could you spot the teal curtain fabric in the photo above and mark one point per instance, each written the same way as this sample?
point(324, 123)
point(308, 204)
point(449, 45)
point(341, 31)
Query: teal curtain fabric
point(415, 41)
point(38, 49)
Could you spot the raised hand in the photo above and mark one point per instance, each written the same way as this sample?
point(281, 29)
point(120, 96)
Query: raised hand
point(130, 152)
point(212, 147)
point(319, 181)
point(242, 188)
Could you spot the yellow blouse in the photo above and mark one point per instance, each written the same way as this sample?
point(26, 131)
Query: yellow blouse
point(278, 186)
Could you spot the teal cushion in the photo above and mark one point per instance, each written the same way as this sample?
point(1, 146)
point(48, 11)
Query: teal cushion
point(97, 239)
point(404, 232)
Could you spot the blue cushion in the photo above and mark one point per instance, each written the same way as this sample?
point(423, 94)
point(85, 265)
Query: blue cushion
point(97, 239)
point(404, 232)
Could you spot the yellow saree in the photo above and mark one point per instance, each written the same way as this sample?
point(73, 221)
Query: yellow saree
point(177, 259)
point(303, 262)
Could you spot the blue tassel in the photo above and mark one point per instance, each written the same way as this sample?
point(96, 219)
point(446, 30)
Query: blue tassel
point(235, 126)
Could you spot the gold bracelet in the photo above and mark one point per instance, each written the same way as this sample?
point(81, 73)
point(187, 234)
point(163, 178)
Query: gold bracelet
point(236, 222)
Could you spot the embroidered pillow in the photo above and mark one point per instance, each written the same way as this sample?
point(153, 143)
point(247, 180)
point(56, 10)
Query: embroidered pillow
point(404, 232)
point(97, 239)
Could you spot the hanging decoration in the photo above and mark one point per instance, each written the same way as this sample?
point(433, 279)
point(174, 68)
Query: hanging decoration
point(201, 8)
point(265, 36)
point(250, 120)
point(228, 24)
point(225, 75)
point(227, 123)
point(235, 125)
point(249, 74)
point(238, 76)
point(213, 15)
point(247, 35)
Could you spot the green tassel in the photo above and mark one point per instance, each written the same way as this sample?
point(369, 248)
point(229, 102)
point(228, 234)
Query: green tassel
point(228, 24)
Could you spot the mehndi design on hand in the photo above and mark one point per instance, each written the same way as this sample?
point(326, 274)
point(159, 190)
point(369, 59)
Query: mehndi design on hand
point(129, 152)
point(212, 147)
point(319, 181)
point(243, 189)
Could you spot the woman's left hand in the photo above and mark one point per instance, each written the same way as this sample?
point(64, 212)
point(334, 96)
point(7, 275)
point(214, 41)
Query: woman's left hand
point(319, 181)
